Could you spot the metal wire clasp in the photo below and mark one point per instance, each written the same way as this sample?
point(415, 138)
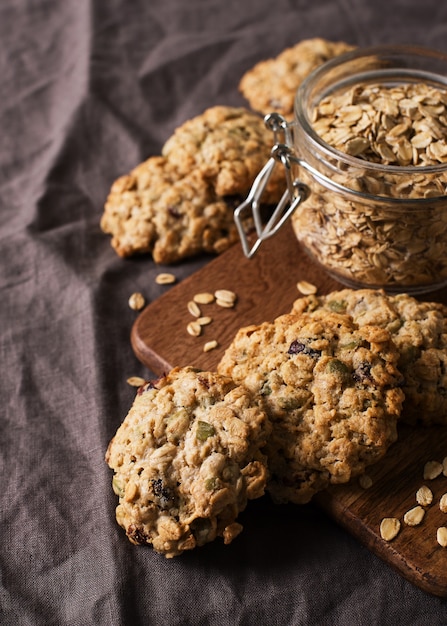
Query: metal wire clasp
point(294, 194)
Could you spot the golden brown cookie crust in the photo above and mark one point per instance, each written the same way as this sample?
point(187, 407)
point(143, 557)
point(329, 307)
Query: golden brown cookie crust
point(419, 330)
point(270, 86)
point(331, 391)
point(187, 459)
point(229, 146)
point(156, 210)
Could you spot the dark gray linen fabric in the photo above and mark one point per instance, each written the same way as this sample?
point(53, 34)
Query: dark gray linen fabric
point(88, 89)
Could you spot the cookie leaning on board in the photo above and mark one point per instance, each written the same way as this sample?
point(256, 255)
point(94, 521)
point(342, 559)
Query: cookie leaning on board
point(419, 331)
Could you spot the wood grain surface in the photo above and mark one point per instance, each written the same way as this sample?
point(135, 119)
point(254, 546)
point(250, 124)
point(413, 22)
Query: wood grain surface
point(266, 287)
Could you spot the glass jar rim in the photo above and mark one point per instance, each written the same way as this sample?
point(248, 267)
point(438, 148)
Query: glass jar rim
point(304, 90)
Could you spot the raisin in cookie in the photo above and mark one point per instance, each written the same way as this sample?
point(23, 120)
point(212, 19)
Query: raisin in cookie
point(229, 146)
point(331, 391)
point(419, 330)
point(186, 460)
point(271, 84)
point(156, 210)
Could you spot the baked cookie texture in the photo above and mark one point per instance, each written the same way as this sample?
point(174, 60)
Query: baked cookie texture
point(331, 391)
point(419, 331)
point(270, 86)
point(186, 460)
point(155, 210)
point(181, 203)
point(229, 146)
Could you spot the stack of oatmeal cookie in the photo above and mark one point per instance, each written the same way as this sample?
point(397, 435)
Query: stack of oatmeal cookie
point(306, 401)
point(181, 203)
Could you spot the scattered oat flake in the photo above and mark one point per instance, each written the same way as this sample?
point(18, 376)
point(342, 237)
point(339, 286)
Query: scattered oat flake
point(137, 301)
point(225, 304)
point(136, 381)
point(306, 288)
point(194, 329)
point(443, 503)
point(414, 516)
point(432, 469)
point(424, 496)
point(365, 481)
point(441, 536)
point(444, 466)
point(204, 298)
point(210, 345)
point(389, 528)
point(225, 295)
point(165, 278)
point(204, 321)
point(194, 309)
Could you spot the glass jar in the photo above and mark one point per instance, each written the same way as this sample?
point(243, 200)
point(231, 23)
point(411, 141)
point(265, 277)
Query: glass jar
point(373, 213)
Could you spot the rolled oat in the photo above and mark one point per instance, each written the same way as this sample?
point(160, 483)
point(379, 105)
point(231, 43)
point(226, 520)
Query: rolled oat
point(137, 301)
point(210, 345)
point(194, 329)
point(389, 528)
point(441, 536)
point(432, 469)
point(443, 503)
point(165, 278)
point(424, 496)
point(306, 288)
point(204, 298)
point(194, 309)
point(414, 516)
point(136, 381)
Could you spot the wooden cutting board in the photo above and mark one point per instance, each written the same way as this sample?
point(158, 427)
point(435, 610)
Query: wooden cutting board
point(266, 287)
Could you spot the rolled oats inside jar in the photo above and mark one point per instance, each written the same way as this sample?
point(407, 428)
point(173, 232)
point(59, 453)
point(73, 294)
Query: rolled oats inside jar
point(370, 136)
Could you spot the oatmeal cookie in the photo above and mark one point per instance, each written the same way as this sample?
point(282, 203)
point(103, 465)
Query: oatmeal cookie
point(331, 391)
point(270, 86)
point(156, 210)
point(229, 146)
point(419, 330)
point(187, 459)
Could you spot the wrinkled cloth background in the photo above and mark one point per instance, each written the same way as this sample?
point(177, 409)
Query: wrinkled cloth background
point(88, 89)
